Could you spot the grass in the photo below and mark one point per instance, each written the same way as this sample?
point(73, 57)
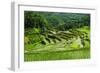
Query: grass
point(60, 55)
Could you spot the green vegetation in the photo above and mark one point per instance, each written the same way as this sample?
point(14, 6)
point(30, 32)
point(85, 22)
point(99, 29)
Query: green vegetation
point(56, 36)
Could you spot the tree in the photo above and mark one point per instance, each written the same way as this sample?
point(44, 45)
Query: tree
point(34, 20)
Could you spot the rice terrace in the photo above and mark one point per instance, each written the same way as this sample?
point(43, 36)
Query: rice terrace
point(56, 36)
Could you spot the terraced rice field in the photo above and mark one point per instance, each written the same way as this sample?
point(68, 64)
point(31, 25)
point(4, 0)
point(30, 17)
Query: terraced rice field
point(60, 45)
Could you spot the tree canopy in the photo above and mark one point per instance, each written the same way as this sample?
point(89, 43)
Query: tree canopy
point(55, 20)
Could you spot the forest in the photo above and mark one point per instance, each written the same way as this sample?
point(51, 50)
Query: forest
point(56, 36)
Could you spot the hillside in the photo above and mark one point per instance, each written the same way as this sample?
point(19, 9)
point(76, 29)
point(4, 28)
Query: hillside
point(50, 33)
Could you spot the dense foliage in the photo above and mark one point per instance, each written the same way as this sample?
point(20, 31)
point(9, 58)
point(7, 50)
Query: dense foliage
point(55, 20)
